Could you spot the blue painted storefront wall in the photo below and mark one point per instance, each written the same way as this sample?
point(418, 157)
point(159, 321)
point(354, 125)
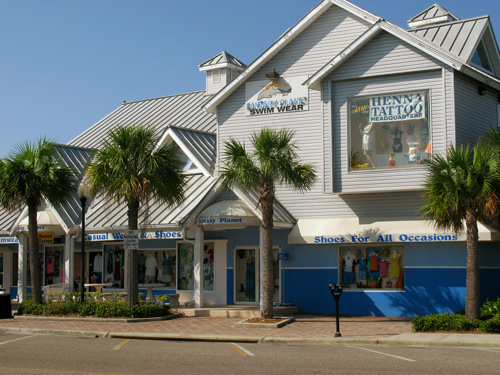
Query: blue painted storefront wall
point(435, 277)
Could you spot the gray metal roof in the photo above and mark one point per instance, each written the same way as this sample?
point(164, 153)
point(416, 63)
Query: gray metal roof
point(435, 13)
point(183, 111)
point(459, 38)
point(7, 220)
point(104, 213)
point(69, 213)
point(201, 145)
point(75, 158)
point(223, 58)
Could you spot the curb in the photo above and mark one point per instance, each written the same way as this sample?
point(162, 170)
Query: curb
point(440, 340)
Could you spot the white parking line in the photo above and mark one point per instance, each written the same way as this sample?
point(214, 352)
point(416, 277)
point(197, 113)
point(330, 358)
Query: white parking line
point(390, 355)
point(241, 349)
point(21, 338)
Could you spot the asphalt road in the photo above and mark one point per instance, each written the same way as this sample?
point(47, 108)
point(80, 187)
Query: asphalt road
point(21, 354)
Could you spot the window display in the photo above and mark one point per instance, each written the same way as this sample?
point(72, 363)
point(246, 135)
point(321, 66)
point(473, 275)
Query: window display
point(186, 276)
point(54, 265)
point(1, 270)
point(372, 267)
point(114, 261)
point(157, 267)
point(389, 130)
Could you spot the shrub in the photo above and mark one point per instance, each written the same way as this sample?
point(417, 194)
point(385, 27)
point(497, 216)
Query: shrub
point(491, 325)
point(102, 309)
point(444, 322)
point(490, 308)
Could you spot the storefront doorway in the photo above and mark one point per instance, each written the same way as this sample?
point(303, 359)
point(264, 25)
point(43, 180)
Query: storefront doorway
point(247, 275)
point(247, 271)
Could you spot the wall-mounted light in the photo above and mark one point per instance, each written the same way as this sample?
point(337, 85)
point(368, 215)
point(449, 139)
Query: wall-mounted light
point(481, 90)
point(273, 75)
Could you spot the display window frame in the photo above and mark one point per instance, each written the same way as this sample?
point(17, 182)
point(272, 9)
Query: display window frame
point(160, 268)
point(185, 266)
point(381, 145)
point(387, 276)
point(49, 257)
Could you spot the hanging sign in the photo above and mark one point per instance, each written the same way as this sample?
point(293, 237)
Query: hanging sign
point(399, 107)
point(45, 238)
point(276, 96)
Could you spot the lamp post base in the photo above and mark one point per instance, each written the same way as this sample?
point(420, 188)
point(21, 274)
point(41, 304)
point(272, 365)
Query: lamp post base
point(337, 334)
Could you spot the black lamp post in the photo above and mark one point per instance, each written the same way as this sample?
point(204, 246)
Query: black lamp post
point(83, 194)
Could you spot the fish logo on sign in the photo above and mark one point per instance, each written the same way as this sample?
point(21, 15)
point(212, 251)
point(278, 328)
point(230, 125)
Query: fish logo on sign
point(274, 88)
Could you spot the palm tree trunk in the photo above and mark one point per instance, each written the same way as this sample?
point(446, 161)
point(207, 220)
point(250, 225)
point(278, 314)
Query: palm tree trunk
point(267, 200)
point(472, 294)
point(133, 219)
point(36, 274)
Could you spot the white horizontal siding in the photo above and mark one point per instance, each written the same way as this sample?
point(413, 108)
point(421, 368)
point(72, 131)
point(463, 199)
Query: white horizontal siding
point(385, 54)
point(314, 47)
point(391, 179)
point(475, 113)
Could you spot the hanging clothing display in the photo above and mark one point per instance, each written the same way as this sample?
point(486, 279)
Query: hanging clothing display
point(151, 264)
point(250, 279)
point(98, 263)
point(167, 269)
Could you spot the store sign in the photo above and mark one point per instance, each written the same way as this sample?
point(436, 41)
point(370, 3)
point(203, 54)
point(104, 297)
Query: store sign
point(27, 227)
point(9, 240)
point(277, 96)
point(45, 238)
point(226, 220)
point(159, 234)
point(385, 238)
point(400, 107)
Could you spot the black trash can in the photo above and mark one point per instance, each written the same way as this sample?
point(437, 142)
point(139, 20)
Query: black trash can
point(5, 306)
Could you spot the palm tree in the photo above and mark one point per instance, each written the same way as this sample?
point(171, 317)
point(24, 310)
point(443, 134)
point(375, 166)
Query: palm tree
point(31, 174)
point(129, 167)
point(461, 188)
point(272, 161)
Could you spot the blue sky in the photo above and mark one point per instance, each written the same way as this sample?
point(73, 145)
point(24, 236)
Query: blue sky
point(66, 64)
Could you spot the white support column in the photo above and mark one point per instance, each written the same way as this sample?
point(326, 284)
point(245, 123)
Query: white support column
point(259, 285)
point(22, 267)
point(198, 267)
point(69, 245)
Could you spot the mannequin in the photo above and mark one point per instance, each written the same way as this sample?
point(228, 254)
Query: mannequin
point(151, 264)
point(349, 260)
point(367, 141)
point(395, 265)
point(167, 266)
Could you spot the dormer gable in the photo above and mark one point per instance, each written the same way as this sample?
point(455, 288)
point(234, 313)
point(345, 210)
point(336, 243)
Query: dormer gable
point(486, 55)
point(432, 15)
point(220, 70)
point(196, 150)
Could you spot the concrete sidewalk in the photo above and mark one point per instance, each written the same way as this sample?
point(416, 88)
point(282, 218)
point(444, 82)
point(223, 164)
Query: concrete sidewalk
point(307, 329)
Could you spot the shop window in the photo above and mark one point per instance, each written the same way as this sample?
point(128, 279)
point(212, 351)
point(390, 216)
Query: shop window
point(114, 262)
point(186, 266)
point(372, 267)
point(54, 265)
point(157, 267)
point(1, 270)
point(389, 130)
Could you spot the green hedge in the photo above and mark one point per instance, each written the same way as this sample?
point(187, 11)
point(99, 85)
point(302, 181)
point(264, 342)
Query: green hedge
point(100, 309)
point(489, 322)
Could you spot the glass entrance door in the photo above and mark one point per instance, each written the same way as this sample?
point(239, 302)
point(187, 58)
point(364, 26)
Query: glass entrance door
point(246, 268)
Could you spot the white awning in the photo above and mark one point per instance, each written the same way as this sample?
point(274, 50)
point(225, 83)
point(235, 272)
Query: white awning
point(46, 220)
point(377, 230)
point(228, 212)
